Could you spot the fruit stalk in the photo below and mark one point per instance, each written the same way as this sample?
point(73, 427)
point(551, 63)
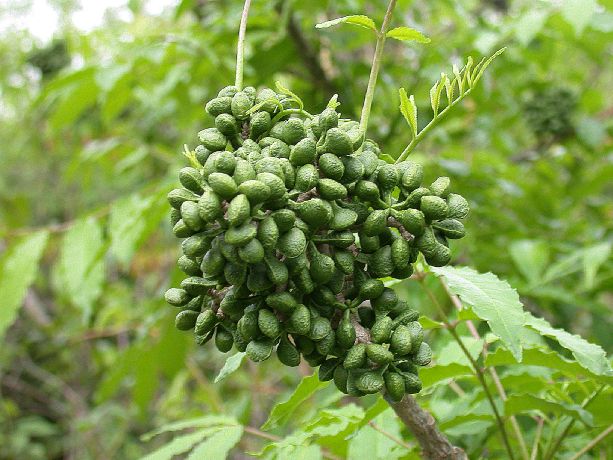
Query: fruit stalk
point(240, 49)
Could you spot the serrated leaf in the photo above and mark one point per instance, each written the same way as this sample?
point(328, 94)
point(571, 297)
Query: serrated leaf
point(198, 422)
point(492, 299)
point(330, 422)
point(458, 79)
point(177, 446)
point(231, 365)
point(333, 102)
point(593, 258)
point(18, 267)
point(466, 73)
point(589, 355)
point(370, 444)
point(80, 270)
point(441, 373)
point(478, 72)
point(435, 94)
point(449, 89)
point(521, 403)
point(359, 20)
point(407, 34)
point(408, 110)
point(217, 446)
point(283, 411)
point(283, 90)
point(531, 257)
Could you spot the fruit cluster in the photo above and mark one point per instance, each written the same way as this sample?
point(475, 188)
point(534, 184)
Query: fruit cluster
point(290, 221)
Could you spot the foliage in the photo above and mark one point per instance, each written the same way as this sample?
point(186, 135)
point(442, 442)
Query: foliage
point(90, 362)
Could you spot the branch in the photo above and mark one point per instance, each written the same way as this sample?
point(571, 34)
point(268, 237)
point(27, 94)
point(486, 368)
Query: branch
point(434, 444)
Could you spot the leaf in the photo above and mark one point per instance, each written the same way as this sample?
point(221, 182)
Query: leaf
point(330, 422)
point(408, 110)
point(370, 444)
point(531, 258)
point(466, 73)
point(356, 19)
point(18, 268)
point(132, 219)
point(333, 102)
point(529, 25)
point(407, 34)
point(231, 365)
point(198, 422)
point(544, 358)
point(484, 64)
point(178, 445)
point(520, 403)
point(429, 323)
point(388, 159)
point(80, 270)
point(579, 13)
point(458, 79)
point(492, 300)
point(435, 93)
point(593, 258)
point(282, 411)
point(589, 355)
point(283, 90)
point(435, 374)
point(218, 445)
point(449, 89)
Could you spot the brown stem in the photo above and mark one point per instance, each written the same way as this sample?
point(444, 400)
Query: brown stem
point(434, 444)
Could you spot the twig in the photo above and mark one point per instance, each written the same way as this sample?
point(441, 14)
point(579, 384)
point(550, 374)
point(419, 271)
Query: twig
point(434, 444)
point(240, 49)
point(537, 438)
point(376, 64)
point(400, 442)
point(593, 442)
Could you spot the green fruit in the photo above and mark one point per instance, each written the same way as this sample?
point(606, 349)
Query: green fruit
point(290, 131)
point(451, 228)
point(175, 216)
point(322, 268)
point(332, 166)
point(370, 160)
point(241, 103)
point(223, 185)
point(353, 169)
point(218, 106)
point(226, 124)
point(260, 124)
point(269, 323)
point(196, 245)
point(259, 350)
point(345, 332)
point(178, 196)
point(381, 330)
point(376, 222)
point(337, 142)
point(405, 317)
point(379, 354)
point(240, 236)
point(370, 382)
point(394, 385)
point(243, 172)
point(340, 378)
point(188, 266)
point(274, 183)
point(209, 206)
point(344, 261)
point(380, 263)
point(314, 359)
point(369, 244)
point(371, 289)
point(225, 162)
point(413, 221)
point(326, 369)
point(191, 179)
point(325, 346)
point(306, 178)
point(185, 320)
point(303, 281)
point(268, 233)
point(212, 263)
point(205, 322)
point(315, 212)
point(191, 216)
point(293, 243)
point(434, 208)
point(212, 139)
point(413, 176)
point(386, 301)
point(341, 240)
point(287, 353)
point(388, 176)
point(239, 210)
point(255, 191)
point(252, 252)
point(412, 384)
point(223, 340)
point(337, 282)
point(329, 189)
point(202, 154)
point(367, 316)
point(270, 165)
point(439, 257)
point(235, 274)
point(414, 198)
point(367, 191)
point(401, 253)
point(320, 328)
point(423, 356)
point(401, 341)
point(268, 100)
point(176, 297)
point(181, 230)
point(276, 271)
point(283, 302)
point(356, 357)
point(303, 152)
point(285, 219)
point(300, 320)
point(328, 119)
point(247, 326)
point(196, 285)
point(417, 335)
point(440, 187)
point(458, 206)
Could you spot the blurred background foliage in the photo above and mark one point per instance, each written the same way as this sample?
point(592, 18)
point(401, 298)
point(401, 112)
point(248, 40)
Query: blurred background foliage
point(91, 129)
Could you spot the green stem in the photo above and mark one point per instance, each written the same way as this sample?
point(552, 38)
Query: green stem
point(593, 443)
point(240, 49)
point(376, 64)
point(435, 121)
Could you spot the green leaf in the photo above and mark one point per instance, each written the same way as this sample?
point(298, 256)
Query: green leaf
point(231, 365)
point(132, 219)
point(408, 110)
point(441, 373)
point(207, 421)
point(370, 444)
point(435, 94)
point(283, 90)
point(80, 270)
point(283, 411)
point(492, 299)
point(593, 258)
point(429, 323)
point(18, 268)
point(529, 25)
point(484, 64)
point(81, 94)
point(218, 445)
point(330, 422)
point(178, 445)
point(388, 159)
point(589, 355)
point(407, 34)
point(579, 13)
point(531, 257)
point(356, 19)
point(521, 403)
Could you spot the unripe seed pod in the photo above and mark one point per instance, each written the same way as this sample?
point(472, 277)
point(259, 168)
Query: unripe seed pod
point(218, 106)
point(367, 191)
point(269, 323)
point(241, 103)
point(381, 330)
point(287, 353)
point(388, 176)
point(326, 369)
point(370, 382)
point(176, 297)
point(185, 320)
point(226, 124)
point(401, 341)
point(413, 176)
point(223, 339)
point(394, 385)
point(434, 208)
point(303, 152)
point(379, 354)
point(376, 223)
point(331, 166)
point(239, 210)
point(212, 139)
point(223, 185)
point(356, 357)
point(255, 191)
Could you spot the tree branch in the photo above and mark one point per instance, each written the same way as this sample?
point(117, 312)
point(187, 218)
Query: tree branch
point(434, 444)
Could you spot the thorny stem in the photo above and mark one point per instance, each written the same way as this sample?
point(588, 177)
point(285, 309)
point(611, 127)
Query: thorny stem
point(473, 331)
point(478, 371)
point(376, 64)
point(240, 49)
